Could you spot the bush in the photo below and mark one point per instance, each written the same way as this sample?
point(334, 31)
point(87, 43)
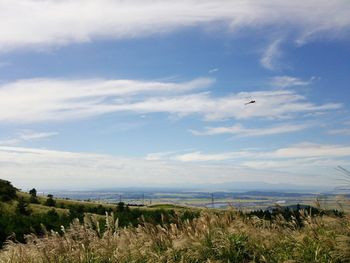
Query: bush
point(50, 201)
point(7, 191)
point(22, 207)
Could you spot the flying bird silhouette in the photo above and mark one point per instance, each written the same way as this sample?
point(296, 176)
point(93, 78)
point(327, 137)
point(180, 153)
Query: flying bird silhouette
point(250, 102)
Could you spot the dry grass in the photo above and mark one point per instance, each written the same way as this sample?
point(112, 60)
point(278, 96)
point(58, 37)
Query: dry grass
point(213, 237)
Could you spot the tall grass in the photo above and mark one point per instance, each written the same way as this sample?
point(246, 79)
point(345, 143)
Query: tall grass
point(212, 237)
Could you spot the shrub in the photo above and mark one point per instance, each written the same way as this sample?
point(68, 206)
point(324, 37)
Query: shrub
point(50, 201)
point(7, 191)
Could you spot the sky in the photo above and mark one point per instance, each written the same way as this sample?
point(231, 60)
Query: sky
point(139, 93)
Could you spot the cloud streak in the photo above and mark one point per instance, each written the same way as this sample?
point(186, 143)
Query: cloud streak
point(37, 100)
point(270, 56)
point(66, 170)
point(288, 81)
point(27, 135)
point(241, 131)
point(297, 151)
point(307, 160)
point(59, 23)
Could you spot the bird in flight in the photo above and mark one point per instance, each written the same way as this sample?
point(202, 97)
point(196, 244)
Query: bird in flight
point(250, 102)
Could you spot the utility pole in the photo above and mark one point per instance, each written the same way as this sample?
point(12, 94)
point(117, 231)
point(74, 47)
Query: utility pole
point(212, 200)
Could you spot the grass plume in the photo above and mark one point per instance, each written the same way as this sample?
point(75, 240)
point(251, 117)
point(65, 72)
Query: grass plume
point(212, 237)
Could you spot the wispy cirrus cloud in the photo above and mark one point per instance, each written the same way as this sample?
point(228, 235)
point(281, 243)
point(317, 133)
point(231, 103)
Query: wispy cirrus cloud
point(307, 149)
point(202, 157)
point(34, 100)
point(345, 130)
point(27, 135)
point(271, 55)
point(59, 23)
point(305, 159)
point(66, 170)
point(241, 131)
point(37, 100)
point(288, 81)
point(213, 70)
point(314, 151)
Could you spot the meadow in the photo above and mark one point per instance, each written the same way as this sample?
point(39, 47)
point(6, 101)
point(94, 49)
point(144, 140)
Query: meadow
point(47, 229)
point(226, 236)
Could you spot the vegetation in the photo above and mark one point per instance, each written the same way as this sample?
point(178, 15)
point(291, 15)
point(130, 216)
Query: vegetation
point(50, 201)
point(33, 197)
point(7, 191)
point(212, 237)
point(20, 216)
point(46, 229)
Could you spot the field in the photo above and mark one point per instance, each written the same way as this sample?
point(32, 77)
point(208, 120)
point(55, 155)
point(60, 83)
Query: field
point(175, 227)
point(213, 237)
point(245, 201)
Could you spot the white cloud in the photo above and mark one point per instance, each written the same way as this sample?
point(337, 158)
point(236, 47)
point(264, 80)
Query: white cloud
point(200, 157)
point(304, 150)
point(302, 158)
point(27, 167)
point(301, 162)
point(288, 81)
point(241, 131)
point(302, 165)
point(213, 70)
point(158, 155)
point(271, 55)
point(341, 131)
point(57, 99)
point(32, 23)
point(36, 100)
point(27, 135)
point(345, 131)
point(42, 168)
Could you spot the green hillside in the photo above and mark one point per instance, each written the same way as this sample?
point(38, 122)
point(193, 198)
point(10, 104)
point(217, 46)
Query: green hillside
point(24, 213)
point(91, 232)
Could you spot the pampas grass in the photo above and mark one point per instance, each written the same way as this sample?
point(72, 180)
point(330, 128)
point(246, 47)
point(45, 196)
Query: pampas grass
point(212, 237)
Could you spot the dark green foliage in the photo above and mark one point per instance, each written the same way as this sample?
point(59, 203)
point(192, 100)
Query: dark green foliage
point(135, 216)
point(76, 211)
point(7, 191)
point(22, 207)
point(121, 207)
point(33, 197)
point(18, 225)
point(23, 221)
point(32, 192)
point(294, 213)
point(189, 215)
point(50, 201)
point(33, 200)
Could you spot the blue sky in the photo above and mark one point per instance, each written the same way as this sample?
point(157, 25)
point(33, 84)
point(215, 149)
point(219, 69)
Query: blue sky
point(108, 93)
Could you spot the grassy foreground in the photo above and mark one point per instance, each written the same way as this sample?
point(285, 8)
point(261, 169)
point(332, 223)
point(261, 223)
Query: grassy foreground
point(212, 237)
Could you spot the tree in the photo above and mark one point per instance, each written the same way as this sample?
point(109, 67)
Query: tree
point(33, 198)
point(50, 201)
point(32, 192)
point(120, 207)
point(7, 191)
